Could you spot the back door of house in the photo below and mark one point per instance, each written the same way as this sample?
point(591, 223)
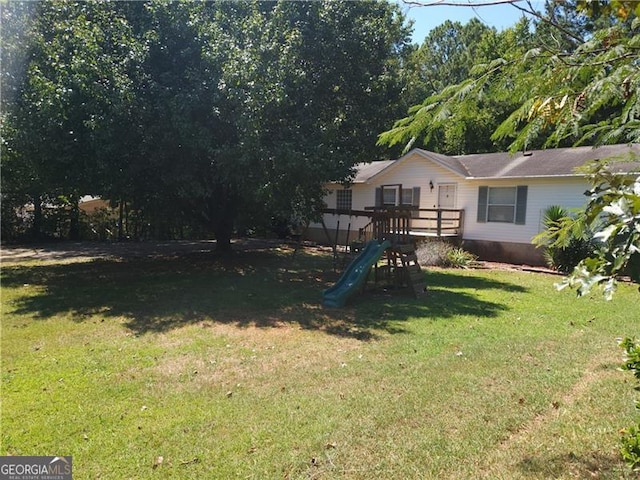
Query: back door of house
point(447, 195)
point(447, 200)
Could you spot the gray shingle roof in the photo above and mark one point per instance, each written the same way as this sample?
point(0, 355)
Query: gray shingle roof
point(558, 162)
point(365, 171)
point(548, 163)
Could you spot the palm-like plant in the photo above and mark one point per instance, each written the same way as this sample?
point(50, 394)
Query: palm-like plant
point(564, 247)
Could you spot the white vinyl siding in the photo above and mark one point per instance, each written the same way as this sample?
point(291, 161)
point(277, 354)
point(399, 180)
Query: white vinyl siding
point(360, 198)
point(414, 173)
point(541, 193)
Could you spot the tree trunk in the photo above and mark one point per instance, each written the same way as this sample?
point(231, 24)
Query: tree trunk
point(121, 221)
point(36, 228)
point(221, 215)
point(223, 230)
point(74, 227)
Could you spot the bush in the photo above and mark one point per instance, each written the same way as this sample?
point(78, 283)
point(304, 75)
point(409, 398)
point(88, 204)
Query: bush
point(460, 258)
point(433, 253)
point(631, 446)
point(442, 254)
point(16, 221)
point(631, 436)
point(565, 259)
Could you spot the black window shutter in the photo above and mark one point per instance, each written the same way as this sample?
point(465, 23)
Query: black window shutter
point(378, 202)
point(415, 202)
point(483, 195)
point(521, 204)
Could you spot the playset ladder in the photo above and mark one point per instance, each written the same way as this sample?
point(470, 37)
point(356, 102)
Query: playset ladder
point(414, 275)
point(412, 272)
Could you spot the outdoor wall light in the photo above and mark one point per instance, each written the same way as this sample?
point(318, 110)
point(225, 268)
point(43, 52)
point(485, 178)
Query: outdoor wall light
point(431, 185)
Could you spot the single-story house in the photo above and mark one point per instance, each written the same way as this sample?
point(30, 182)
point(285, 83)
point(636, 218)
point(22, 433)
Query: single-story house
point(491, 203)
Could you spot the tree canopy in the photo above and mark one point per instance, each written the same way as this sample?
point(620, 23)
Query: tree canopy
point(572, 80)
point(445, 58)
point(198, 116)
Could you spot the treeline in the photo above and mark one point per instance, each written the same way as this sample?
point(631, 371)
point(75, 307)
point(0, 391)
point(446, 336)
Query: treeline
point(572, 77)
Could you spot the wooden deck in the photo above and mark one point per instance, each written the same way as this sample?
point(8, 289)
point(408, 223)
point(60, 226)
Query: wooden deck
point(432, 234)
point(405, 224)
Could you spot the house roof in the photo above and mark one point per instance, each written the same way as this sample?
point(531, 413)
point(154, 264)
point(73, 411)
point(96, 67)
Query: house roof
point(365, 171)
point(558, 162)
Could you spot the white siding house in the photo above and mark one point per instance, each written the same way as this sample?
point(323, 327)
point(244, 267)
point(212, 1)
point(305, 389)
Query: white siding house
point(502, 196)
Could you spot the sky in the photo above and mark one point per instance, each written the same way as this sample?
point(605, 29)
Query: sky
point(427, 18)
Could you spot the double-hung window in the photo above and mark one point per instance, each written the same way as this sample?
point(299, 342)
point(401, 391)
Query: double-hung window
point(344, 199)
point(502, 204)
point(389, 196)
point(395, 195)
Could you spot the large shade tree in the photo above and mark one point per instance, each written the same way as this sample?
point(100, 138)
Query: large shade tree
point(71, 80)
point(203, 114)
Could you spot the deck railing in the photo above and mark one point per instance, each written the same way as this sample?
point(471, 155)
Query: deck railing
point(397, 224)
point(439, 221)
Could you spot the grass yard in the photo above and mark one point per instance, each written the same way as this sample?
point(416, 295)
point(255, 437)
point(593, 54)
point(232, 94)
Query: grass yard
point(198, 367)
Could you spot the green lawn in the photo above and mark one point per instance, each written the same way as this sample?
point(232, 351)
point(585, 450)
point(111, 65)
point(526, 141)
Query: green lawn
point(200, 367)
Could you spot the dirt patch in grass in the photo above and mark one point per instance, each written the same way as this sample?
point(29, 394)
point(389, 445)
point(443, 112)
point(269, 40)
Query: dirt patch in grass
point(593, 373)
point(86, 251)
point(517, 267)
point(527, 451)
point(248, 356)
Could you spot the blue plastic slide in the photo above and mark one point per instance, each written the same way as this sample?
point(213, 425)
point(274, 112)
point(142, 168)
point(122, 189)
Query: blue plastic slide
point(355, 274)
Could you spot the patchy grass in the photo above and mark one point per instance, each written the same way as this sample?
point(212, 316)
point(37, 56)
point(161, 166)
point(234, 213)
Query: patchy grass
point(230, 368)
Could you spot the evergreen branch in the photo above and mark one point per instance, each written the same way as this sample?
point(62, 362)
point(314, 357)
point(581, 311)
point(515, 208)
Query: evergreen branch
point(453, 3)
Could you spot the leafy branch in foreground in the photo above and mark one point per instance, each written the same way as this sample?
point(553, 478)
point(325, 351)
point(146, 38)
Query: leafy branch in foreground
point(425, 120)
point(613, 212)
point(585, 93)
point(631, 436)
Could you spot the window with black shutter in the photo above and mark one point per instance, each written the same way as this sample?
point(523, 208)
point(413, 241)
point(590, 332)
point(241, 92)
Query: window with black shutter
point(502, 204)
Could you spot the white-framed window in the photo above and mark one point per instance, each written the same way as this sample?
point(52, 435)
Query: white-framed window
point(344, 199)
point(502, 204)
point(389, 196)
point(394, 195)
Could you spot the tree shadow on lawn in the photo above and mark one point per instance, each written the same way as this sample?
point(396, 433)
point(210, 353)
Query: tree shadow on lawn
point(588, 465)
point(252, 288)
